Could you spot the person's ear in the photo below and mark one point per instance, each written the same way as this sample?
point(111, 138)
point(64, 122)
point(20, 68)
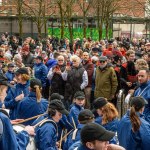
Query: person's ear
point(90, 145)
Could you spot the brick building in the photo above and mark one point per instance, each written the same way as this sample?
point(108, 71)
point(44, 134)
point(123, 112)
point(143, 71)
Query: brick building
point(134, 9)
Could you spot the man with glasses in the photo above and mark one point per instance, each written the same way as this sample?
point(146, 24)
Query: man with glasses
point(55, 75)
point(105, 81)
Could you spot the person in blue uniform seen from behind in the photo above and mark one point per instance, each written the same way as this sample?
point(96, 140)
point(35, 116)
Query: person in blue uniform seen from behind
point(144, 90)
point(17, 93)
point(85, 116)
point(133, 129)
point(77, 107)
point(46, 132)
point(33, 104)
point(108, 116)
point(8, 139)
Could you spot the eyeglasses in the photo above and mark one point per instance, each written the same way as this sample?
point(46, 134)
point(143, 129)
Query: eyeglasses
point(60, 60)
point(102, 61)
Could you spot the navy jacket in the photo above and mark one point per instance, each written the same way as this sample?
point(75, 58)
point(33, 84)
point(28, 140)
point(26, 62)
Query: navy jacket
point(144, 91)
point(63, 124)
point(70, 139)
point(29, 107)
point(51, 63)
point(9, 140)
point(74, 112)
point(10, 102)
point(10, 75)
point(133, 140)
point(40, 72)
point(46, 135)
point(110, 126)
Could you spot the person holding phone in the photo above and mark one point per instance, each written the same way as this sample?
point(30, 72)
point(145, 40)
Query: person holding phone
point(55, 75)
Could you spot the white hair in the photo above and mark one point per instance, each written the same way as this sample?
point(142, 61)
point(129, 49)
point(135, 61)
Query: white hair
point(75, 57)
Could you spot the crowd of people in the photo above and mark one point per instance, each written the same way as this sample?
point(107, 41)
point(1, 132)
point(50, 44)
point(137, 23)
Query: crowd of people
point(65, 94)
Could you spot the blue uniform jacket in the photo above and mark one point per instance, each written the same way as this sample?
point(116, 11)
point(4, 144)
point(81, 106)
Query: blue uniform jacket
point(10, 102)
point(63, 124)
point(74, 112)
point(133, 140)
point(10, 75)
point(51, 63)
point(40, 72)
point(78, 146)
point(46, 135)
point(75, 146)
point(9, 140)
point(110, 126)
point(144, 91)
point(29, 107)
point(70, 141)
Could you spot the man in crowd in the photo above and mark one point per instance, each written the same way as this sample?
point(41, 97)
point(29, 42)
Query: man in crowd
point(144, 90)
point(89, 67)
point(106, 80)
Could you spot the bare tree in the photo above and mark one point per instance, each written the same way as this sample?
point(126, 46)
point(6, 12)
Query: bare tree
point(111, 6)
point(68, 10)
point(104, 10)
point(14, 7)
point(38, 12)
point(84, 6)
point(62, 15)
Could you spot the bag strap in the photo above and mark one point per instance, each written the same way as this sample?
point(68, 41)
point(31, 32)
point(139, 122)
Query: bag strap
point(49, 121)
point(1, 129)
point(74, 134)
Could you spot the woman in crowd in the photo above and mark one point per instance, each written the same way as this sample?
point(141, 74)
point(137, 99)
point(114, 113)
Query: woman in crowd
point(133, 129)
point(17, 93)
point(18, 62)
point(33, 104)
point(8, 139)
point(108, 115)
point(140, 64)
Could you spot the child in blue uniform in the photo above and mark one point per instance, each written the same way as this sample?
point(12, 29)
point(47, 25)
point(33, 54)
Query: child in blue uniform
point(108, 116)
point(94, 137)
point(33, 104)
point(17, 93)
point(8, 139)
point(77, 107)
point(133, 129)
point(85, 116)
point(47, 132)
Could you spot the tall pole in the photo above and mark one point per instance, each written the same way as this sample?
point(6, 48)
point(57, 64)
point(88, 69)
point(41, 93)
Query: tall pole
point(130, 29)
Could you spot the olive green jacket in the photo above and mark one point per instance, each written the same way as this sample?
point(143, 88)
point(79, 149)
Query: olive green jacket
point(105, 83)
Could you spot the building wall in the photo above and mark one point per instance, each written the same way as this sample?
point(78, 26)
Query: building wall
point(11, 26)
point(136, 30)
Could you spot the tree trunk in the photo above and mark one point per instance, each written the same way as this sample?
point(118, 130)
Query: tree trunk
point(70, 30)
point(20, 26)
point(62, 22)
point(107, 29)
point(39, 30)
point(62, 27)
point(45, 28)
point(100, 31)
point(84, 26)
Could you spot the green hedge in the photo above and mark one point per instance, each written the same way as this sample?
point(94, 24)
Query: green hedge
point(78, 33)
